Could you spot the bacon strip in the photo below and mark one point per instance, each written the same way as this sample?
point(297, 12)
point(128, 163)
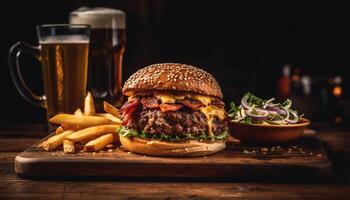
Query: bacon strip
point(129, 105)
point(191, 103)
point(150, 102)
point(127, 117)
point(165, 107)
point(218, 103)
point(128, 109)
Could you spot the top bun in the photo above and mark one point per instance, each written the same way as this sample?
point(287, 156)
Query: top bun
point(173, 77)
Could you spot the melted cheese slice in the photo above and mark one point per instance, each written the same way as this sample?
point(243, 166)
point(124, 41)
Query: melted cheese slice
point(168, 98)
point(209, 111)
point(205, 100)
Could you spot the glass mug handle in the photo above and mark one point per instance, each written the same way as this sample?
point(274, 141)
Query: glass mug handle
point(13, 59)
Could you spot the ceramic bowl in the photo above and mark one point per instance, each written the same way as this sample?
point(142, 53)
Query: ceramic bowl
point(261, 133)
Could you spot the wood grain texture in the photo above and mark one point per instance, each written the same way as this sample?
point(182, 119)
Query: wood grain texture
point(305, 159)
point(23, 130)
point(336, 187)
point(16, 144)
point(166, 190)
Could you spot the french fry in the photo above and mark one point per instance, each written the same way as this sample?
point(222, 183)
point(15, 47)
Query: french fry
point(83, 121)
point(78, 113)
point(100, 142)
point(68, 146)
point(72, 127)
point(55, 141)
point(96, 131)
point(63, 127)
point(92, 132)
point(111, 109)
point(59, 130)
point(89, 108)
point(110, 117)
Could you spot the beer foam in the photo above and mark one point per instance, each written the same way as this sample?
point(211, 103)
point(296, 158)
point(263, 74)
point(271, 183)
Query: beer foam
point(98, 17)
point(64, 39)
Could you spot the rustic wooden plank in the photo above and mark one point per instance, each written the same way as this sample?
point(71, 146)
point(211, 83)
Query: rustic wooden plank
point(13, 187)
point(337, 142)
point(7, 157)
point(174, 190)
point(307, 159)
point(23, 130)
point(16, 144)
point(7, 166)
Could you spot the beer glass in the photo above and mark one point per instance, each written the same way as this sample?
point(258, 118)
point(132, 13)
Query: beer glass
point(107, 46)
point(63, 53)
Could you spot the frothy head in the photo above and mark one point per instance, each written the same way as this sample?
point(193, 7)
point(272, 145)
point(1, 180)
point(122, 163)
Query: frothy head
point(98, 17)
point(63, 39)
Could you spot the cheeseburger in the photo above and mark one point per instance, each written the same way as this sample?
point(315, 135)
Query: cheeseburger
point(173, 110)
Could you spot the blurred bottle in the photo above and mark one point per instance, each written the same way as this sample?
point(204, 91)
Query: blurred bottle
point(306, 85)
point(284, 82)
point(336, 104)
point(322, 94)
point(296, 83)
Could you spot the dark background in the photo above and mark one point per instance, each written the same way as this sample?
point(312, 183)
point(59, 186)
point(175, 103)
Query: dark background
point(244, 45)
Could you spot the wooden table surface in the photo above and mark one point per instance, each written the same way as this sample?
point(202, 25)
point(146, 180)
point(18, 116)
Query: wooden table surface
point(14, 139)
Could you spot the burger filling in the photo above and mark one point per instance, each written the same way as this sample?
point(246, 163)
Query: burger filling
point(174, 117)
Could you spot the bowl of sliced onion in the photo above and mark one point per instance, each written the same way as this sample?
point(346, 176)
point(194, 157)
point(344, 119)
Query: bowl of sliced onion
point(258, 120)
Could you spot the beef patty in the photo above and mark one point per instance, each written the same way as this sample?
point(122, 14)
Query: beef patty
point(153, 121)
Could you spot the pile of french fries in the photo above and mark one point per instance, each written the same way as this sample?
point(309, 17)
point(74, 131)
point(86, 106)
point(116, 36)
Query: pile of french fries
point(84, 131)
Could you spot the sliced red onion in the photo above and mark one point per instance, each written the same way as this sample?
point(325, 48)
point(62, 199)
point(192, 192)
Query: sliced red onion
point(286, 116)
point(295, 118)
point(287, 113)
point(263, 116)
point(268, 102)
point(272, 112)
point(267, 111)
point(273, 104)
point(245, 104)
point(242, 112)
point(279, 110)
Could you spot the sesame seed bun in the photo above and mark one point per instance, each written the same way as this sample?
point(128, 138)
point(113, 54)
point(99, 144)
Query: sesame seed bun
point(174, 77)
point(188, 148)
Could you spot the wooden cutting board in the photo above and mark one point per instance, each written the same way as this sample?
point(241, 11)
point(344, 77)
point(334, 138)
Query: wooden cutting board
point(304, 158)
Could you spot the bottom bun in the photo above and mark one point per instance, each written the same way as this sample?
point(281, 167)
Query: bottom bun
point(188, 148)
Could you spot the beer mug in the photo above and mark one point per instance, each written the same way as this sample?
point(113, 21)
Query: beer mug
point(63, 53)
point(107, 46)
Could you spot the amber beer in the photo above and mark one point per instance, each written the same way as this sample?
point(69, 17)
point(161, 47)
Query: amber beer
point(64, 63)
point(105, 67)
point(107, 46)
point(63, 51)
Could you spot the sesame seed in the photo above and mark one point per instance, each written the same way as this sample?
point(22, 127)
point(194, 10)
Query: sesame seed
point(175, 72)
